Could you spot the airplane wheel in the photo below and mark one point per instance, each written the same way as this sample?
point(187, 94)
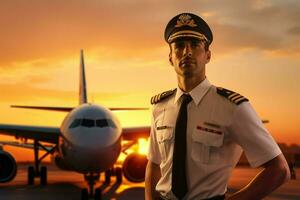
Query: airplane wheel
point(107, 176)
point(119, 174)
point(84, 194)
point(43, 175)
point(30, 175)
point(98, 194)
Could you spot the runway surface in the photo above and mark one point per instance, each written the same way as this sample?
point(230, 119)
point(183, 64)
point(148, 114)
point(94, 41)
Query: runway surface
point(67, 185)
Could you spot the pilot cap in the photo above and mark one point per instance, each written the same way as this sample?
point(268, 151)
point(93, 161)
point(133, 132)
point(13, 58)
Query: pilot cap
point(187, 25)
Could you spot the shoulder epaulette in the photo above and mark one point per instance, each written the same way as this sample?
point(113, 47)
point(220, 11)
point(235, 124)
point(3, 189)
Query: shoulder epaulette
point(159, 97)
point(231, 96)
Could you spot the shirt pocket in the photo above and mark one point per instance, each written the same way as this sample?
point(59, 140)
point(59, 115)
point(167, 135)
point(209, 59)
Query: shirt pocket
point(206, 146)
point(165, 137)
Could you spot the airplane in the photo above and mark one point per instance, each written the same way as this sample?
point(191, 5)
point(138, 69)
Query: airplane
point(89, 141)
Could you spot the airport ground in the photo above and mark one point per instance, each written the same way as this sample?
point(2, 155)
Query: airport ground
point(67, 185)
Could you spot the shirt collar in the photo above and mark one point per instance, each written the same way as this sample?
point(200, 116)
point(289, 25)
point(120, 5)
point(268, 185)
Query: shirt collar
point(197, 93)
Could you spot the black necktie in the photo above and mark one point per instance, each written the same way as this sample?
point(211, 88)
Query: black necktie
point(179, 185)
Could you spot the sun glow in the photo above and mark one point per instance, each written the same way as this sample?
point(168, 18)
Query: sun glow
point(140, 147)
point(143, 145)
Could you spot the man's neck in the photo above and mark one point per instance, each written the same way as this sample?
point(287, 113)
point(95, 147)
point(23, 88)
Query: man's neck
point(187, 84)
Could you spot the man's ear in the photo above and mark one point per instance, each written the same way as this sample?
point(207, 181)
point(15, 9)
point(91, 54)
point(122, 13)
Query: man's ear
point(208, 56)
point(170, 59)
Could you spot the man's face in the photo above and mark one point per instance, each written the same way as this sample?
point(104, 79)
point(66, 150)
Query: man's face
point(189, 57)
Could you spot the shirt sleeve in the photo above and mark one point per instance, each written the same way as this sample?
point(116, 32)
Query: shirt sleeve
point(248, 131)
point(153, 151)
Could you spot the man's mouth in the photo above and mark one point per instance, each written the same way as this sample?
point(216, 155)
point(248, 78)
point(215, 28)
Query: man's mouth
point(187, 62)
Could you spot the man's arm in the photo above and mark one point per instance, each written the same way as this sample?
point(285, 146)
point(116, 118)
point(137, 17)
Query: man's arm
point(151, 179)
point(274, 174)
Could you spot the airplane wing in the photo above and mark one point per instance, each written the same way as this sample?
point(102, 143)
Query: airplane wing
point(61, 109)
point(68, 109)
point(40, 133)
point(25, 145)
point(134, 133)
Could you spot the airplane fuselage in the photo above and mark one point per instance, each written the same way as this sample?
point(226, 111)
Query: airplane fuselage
point(90, 139)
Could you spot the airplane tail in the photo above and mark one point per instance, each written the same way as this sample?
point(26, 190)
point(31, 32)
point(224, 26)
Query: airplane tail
point(82, 81)
point(82, 95)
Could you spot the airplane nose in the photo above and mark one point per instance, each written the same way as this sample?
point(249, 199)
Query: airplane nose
point(93, 138)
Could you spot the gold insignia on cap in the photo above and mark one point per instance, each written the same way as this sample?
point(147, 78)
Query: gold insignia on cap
point(185, 20)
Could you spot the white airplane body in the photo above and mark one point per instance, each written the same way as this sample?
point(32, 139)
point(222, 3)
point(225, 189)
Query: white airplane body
point(94, 131)
point(88, 141)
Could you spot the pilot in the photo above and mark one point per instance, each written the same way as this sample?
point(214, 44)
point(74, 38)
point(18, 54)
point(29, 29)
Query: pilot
point(199, 130)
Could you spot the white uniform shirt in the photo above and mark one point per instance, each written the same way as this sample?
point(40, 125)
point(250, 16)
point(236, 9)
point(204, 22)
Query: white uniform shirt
point(217, 132)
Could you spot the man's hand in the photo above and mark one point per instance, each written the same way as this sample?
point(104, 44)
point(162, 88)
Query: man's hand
point(274, 174)
point(152, 177)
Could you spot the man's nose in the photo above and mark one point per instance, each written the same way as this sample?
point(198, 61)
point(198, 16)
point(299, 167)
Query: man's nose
point(187, 51)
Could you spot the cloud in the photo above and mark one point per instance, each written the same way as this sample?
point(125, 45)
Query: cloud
point(294, 31)
point(11, 93)
point(43, 28)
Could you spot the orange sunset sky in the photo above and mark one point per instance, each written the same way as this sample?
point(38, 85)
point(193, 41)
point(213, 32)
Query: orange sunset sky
point(256, 52)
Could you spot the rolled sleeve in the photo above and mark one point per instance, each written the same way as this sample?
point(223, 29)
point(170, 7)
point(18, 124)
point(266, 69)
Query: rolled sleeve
point(249, 132)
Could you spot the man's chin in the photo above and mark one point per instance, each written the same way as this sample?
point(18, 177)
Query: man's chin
point(187, 74)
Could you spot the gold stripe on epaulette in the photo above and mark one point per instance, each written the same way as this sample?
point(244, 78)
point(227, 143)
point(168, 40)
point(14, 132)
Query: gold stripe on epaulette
point(159, 97)
point(239, 100)
point(232, 95)
point(236, 97)
point(151, 101)
point(155, 99)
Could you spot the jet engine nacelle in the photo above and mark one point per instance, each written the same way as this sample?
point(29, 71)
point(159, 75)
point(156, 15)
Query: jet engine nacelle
point(134, 167)
point(8, 167)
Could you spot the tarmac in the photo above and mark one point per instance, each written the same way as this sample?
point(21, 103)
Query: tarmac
point(67, 185)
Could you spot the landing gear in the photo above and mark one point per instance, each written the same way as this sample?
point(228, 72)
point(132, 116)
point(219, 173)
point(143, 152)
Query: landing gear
point(30, 175)
point(117, 172)
point(98, 194)
point(36, 171)
point(119, 175)
point(107, 174)
point(91, 179)
point(84, 194)
point(43, 175)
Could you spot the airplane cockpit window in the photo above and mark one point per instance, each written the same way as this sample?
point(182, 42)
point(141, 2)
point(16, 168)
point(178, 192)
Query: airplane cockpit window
point(101, 123)
point(88, 122)
point(92, 123)
point(105, 123)
point(75, 123)
point(111, 123)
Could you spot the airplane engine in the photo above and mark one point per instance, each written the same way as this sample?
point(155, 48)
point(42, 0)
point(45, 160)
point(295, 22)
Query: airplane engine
point(134, 167)
point(8, 167)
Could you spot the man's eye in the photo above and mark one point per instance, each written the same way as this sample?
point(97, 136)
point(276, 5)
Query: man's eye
point(179, 45)
point(195, 44)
